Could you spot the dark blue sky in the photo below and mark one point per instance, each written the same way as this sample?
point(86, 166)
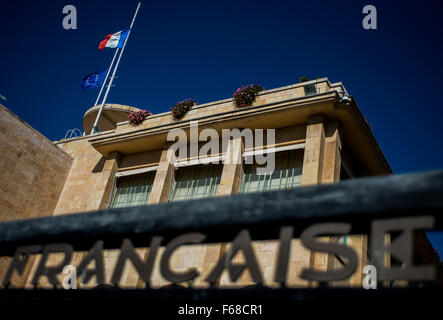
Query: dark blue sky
point(207, 49)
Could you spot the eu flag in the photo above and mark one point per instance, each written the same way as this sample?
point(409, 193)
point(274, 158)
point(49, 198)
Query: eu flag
point(93, 80)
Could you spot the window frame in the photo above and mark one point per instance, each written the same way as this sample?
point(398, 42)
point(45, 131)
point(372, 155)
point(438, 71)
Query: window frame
point(131, 173)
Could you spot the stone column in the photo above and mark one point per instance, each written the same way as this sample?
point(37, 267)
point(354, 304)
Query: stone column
point(164, 177)
point(230, 184)
point(331, 174)
point(314, 147)
point(232, 174)
point(105, 185)
point(332, 154)
point(102, 197)
point(312, 173)
point(104, 194)
point(322, 164)
point(360, 244)
point(161, 190)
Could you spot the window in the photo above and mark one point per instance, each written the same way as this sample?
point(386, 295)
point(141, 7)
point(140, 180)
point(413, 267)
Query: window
point(287, 173)
point(310, 89)
point(133, 190)
point(196, 182)
point(343, 240)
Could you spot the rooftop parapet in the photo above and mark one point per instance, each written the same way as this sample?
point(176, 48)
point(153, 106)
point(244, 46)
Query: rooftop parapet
point(111, 115)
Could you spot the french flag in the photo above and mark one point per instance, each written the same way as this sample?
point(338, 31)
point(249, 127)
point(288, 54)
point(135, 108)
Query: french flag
point(115, 40)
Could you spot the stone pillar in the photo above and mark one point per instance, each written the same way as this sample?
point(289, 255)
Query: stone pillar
point(105, 185)
point(360, 244)
point(161, 190)
point(331, 174)
point(102, 198)
point(164, 177)
point(322, 164)
point(230, 184)
point(312, 173)
point(332, 154)
point(314, 146)
point(105, 188)
point(232, 174)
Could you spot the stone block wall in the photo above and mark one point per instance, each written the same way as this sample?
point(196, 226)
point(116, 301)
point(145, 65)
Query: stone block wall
point(89, 183)
point(32, 170)
point(88, 187)
point(32, 173)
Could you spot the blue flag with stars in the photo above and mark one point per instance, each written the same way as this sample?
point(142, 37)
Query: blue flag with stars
point(93, 80)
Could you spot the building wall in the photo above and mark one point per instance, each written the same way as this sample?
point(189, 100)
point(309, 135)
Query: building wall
point(88, 187)
point(90, 183)
point(32, 171)
point(321, 164)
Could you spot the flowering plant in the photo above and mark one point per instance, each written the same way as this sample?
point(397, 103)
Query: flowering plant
point(138, 117)
point(245, 95)
point(182, 107)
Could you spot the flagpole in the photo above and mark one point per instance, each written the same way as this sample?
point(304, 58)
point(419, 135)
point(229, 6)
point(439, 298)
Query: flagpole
point(95, 127)
point(106, 79)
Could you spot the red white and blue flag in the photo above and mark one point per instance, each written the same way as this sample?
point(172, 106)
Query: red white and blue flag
point(115, 40)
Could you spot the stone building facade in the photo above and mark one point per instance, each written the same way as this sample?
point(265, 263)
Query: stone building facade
point(319, 138)
point(33, 172)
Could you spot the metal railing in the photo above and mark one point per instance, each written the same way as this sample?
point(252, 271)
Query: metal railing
point(358, 201)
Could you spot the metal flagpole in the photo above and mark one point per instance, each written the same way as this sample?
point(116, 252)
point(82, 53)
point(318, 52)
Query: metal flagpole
point(94, 128)
point(106, 79)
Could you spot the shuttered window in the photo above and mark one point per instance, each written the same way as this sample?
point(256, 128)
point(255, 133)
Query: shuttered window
point(196, 182)
point(287, 173)
point(133, 190)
